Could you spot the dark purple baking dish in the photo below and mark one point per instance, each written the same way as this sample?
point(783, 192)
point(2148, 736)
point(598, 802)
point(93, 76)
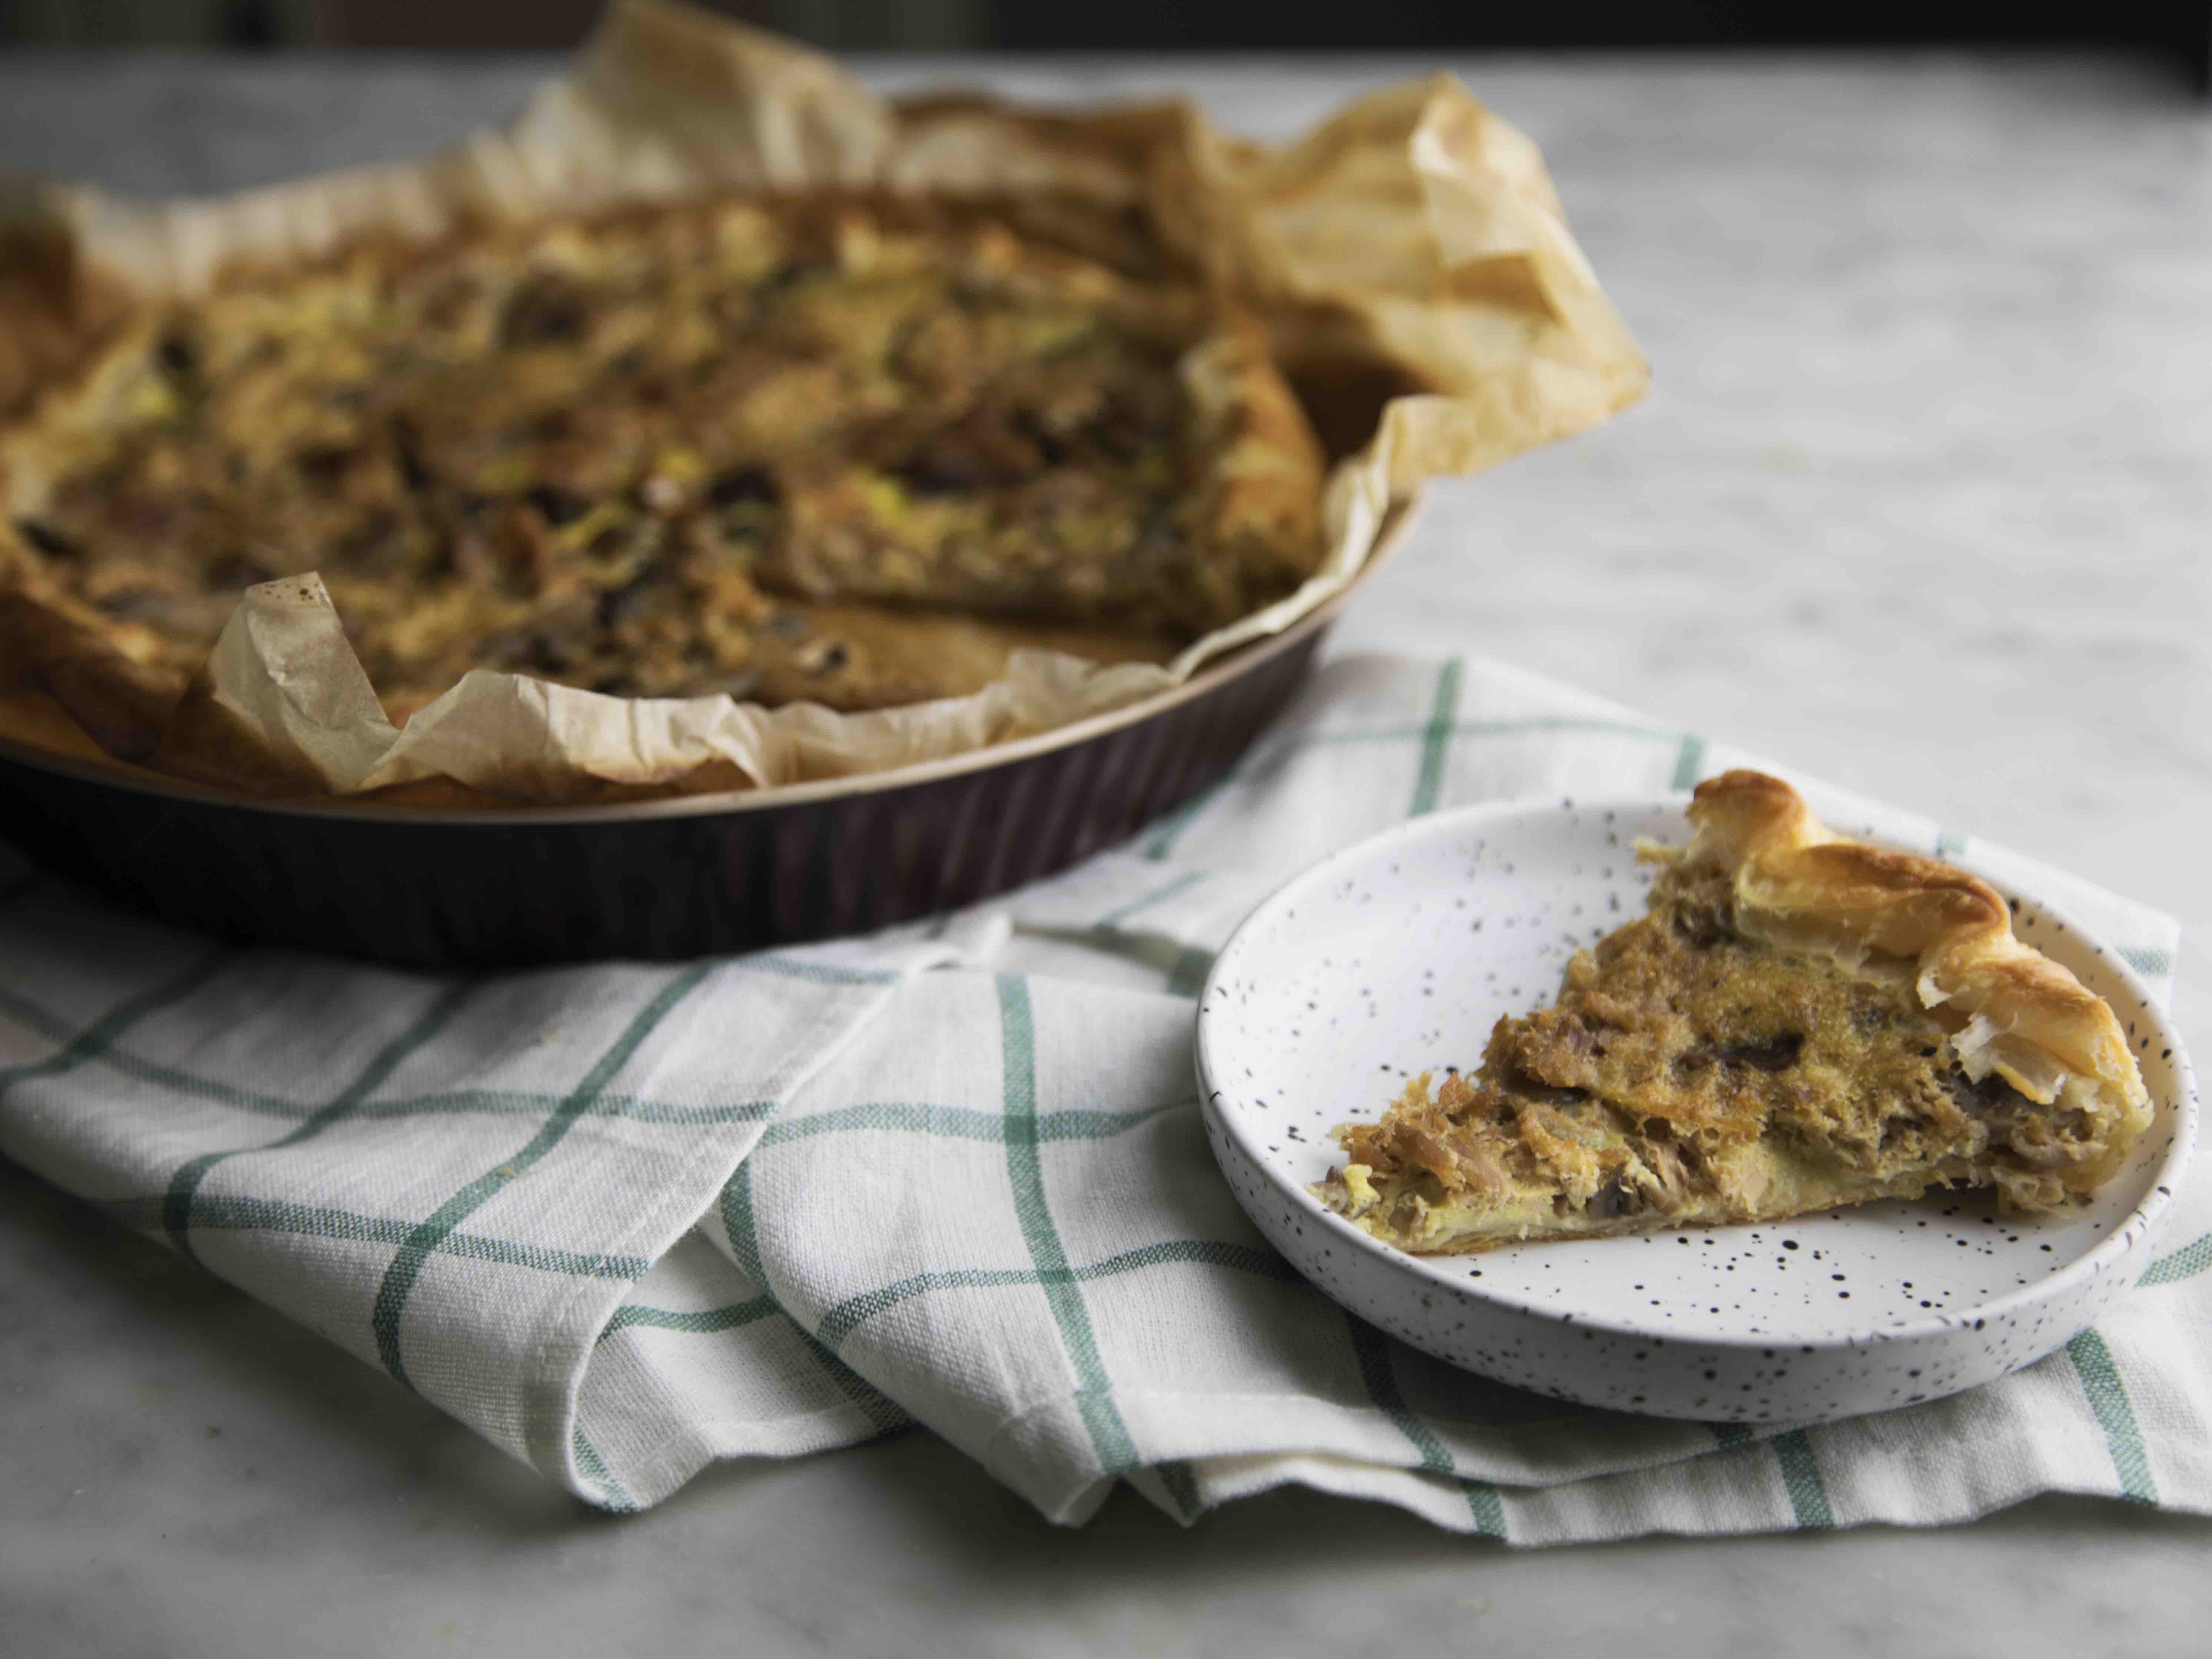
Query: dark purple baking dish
point(697, 875)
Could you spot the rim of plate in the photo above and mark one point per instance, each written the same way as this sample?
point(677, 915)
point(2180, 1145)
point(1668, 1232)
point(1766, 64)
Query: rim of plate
point(2136, 1224)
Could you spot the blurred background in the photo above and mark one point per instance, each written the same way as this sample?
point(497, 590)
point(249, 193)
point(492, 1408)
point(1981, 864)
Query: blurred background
point(2179, 33)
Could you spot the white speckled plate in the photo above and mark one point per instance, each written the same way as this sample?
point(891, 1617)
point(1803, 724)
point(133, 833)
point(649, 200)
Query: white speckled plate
point(1398, 955)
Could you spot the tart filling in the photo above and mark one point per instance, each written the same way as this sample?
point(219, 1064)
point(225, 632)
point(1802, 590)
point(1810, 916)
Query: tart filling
point(721, 447)
point(1800, 1021)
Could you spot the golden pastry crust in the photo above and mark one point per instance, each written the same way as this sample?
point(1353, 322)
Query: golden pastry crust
point(848, 450)
point(1800, 886)
point(1801, 1021)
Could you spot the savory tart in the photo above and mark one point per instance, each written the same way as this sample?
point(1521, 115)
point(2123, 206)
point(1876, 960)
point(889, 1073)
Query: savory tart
point(846, 450)
point(1800, 1021)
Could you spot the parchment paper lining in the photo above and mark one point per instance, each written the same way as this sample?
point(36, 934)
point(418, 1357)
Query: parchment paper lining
point(1412, 238)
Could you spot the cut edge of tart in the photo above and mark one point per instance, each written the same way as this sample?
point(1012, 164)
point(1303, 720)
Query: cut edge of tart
point(1801, 1021)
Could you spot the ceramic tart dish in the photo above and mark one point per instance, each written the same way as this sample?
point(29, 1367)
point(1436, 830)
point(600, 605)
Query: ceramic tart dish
point(714, 421)
point(467, 887)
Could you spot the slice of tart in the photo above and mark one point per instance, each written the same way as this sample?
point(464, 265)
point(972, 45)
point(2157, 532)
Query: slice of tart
point(1800, 1021)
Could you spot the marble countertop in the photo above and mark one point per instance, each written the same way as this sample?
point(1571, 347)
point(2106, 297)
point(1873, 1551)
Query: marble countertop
point(1918, 502)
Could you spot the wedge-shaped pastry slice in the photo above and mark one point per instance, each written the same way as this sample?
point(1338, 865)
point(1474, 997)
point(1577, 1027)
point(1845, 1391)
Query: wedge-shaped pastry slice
point(1800, 1021)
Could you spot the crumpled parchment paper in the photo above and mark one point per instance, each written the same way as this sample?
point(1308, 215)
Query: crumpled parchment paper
point(1408, 258)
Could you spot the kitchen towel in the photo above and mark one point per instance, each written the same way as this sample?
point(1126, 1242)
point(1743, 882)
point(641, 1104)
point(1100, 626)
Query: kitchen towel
point(627, 1219)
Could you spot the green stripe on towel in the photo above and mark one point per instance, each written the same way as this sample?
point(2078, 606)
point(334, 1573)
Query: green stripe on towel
point(418, 1248)
point(703, 1322)
point(1689, 762)
point(847, 1316)
point(185, 1185)
point(93, 1040)
point(740, 1229)
point(1113, 919)
point(961, 1123)
point(2108, 1399)
point(1110, 1435)
point(1270, 753)
point(507, 1103)
point(1372, 1350)
point(1428, 782)
point(1188, 977)
point(612, 1493)
point(1801, 1478)
point(2186, 1262)
point(217, 1213)
point(1181, 1486)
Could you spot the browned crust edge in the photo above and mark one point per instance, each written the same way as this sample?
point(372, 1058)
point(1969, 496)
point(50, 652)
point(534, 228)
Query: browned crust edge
point(1799, 883)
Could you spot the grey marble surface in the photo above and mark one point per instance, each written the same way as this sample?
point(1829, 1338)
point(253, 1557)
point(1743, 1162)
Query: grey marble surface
point(1918, 503)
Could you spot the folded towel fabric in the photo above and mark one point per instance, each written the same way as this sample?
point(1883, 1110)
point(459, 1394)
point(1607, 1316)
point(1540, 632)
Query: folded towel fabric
point(627, 1219)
